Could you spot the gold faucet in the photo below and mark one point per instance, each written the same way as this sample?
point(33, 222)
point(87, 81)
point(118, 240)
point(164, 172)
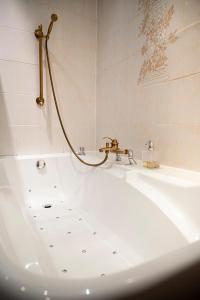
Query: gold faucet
point(113, 147)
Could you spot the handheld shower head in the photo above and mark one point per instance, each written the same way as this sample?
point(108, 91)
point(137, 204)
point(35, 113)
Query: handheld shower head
point(54, 18)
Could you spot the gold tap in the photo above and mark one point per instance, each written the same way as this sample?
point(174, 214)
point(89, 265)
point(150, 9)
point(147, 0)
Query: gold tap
point(113, 147)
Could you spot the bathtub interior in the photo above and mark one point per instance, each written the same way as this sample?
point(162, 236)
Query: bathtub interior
point(97, 221)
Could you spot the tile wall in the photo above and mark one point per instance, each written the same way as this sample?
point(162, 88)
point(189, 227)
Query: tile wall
point(165, 107)
point(24, 127)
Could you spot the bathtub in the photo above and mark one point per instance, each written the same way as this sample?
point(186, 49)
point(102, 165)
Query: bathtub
point(69, 231)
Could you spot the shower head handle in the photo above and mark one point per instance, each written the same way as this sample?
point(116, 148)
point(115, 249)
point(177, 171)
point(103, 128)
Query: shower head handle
point(54, 18)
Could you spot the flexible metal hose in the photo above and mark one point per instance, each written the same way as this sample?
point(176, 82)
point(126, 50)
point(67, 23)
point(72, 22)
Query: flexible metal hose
point(60, 119)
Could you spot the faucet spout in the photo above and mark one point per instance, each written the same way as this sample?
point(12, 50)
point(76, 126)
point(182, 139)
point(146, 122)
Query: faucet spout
point(113, 147)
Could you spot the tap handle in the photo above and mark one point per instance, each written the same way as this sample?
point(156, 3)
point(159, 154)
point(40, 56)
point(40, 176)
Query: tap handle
point(150, 145)
point(130, 153)
point(107, 138)
point(114, 142)
point(131, 157)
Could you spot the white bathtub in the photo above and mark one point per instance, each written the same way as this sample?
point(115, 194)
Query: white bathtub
point(110, 231)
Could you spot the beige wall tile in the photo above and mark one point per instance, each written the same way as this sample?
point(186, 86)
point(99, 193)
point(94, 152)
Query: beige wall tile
point(167, 109)
point(72, 48)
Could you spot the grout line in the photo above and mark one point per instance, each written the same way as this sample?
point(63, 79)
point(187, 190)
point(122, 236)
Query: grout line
point(184, 76)
point(18, 61)
point(16, 28)
point(169, 80)
point(19, 94)
point(23, 125)
point(188, 27)
point(179, 124)
point(121, 61)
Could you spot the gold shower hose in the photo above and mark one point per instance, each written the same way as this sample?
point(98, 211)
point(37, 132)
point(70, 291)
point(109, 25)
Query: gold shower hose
point(60, 119)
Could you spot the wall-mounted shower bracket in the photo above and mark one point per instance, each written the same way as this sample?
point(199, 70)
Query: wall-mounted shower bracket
point(40, 35)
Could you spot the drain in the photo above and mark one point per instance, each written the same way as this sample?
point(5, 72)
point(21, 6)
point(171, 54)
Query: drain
point(23, 289)
point(64, 270)
point(40, 164)
point(47, 206)
point(103, 275)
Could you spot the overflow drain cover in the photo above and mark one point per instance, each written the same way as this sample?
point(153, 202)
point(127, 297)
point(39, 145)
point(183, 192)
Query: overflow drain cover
point(47, 205)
